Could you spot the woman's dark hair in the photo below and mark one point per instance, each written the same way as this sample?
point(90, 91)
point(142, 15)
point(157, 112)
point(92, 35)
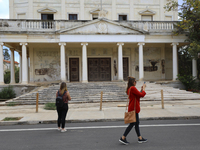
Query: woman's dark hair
point(63, 87)
point(131, 81)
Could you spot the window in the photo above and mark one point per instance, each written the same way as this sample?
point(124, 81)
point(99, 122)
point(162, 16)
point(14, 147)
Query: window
point(73, 17)
point(147, 18)
point(122, 17)
point(94, 16)
point(47, 18)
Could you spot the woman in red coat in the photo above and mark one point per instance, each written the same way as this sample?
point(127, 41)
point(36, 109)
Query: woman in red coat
point(134, 94)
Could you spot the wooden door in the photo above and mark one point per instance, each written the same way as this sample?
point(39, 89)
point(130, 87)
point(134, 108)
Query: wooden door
point(74, 69)
point(125, 68)
point(99, 69)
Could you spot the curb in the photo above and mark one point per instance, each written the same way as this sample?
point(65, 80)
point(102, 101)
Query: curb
point(7, 123)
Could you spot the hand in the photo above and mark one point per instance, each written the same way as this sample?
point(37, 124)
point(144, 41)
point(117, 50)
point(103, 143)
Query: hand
point(141, 88)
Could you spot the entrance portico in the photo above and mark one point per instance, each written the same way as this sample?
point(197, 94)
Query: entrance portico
point(124, 51)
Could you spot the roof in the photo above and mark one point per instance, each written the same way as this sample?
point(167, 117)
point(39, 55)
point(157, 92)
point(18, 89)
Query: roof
point(7, 61)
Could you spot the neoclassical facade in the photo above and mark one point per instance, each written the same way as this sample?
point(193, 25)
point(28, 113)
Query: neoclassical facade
point(86, 40)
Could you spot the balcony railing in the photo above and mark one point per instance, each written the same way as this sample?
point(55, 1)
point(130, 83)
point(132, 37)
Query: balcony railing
point(11, 25)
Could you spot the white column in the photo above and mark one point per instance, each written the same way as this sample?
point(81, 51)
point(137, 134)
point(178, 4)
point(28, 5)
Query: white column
point(175, 62)
point(84, 62)
point(62, 62)
point(141, 65)
point(12, 66)
point(11, 2)
point(24, 62)
point(20, 68)
point(194, 67)
point(1, 64)
point(120, 62)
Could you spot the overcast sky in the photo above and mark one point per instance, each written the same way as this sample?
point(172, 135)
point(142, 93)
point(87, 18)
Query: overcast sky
point(4, 14)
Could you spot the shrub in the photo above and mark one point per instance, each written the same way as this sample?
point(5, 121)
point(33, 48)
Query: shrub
point(188, 81)
point(7, 93)
point(50, 106)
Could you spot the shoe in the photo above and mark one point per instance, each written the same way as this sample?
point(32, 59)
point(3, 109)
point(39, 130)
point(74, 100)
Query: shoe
point(125, 142)
point(63, 130)
point(142, 140)
point(59, 129)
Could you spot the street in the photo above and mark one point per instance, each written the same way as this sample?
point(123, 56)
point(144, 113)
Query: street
point(161, 135)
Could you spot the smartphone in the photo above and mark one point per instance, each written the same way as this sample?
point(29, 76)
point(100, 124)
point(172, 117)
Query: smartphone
point(144, 82)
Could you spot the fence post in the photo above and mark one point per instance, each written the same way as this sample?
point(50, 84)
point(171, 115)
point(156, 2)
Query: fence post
point(101, 100)
point(162, 99)
point(37, 97)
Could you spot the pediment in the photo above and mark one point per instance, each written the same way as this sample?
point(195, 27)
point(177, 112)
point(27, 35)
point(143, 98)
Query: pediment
point(47, 10)
point(147, 12)
point(102, 26)
point(97, 10)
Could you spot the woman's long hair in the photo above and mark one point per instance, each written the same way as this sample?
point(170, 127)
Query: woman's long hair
point(63, 87)
point(131, 81)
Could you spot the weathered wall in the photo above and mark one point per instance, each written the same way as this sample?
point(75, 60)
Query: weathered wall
point(24, 9)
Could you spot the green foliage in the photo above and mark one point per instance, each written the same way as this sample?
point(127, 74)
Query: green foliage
point(11, 104)
point(189, 23)
point(7, 76)
point(12, 118)
point(187, 80)
point(7, 93)
point(6, 54)
point(50, 106)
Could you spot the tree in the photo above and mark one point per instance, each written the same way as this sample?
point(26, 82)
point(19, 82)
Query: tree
point(6, 54)
point(189, 24)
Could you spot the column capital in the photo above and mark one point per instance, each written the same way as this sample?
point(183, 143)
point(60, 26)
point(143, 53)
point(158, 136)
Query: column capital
point(23, 43)
point(140, 44)
point(12, 49)
point(1, 43)
point(84, 43)
point(120, 43)
point(175, 43)
point(62, 43)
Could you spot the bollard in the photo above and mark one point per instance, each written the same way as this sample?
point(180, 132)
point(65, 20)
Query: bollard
point(37, 97)
point(162, 99)
point(101, 100)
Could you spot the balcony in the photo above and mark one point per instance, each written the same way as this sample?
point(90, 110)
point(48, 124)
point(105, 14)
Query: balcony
point(42, 27)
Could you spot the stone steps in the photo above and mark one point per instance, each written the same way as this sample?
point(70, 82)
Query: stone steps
point(112, 91)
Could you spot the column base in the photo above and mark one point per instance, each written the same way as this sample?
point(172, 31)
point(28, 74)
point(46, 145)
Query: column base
point(24, 82)
point(141, 79)
point(85, 81)
point(2, 83)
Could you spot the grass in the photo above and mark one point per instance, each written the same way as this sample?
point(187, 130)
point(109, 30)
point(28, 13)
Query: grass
point(12, 118)
point(11, 104)
point(50, 106)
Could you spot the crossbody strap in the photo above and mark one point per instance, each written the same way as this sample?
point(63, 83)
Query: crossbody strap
point(128, 100)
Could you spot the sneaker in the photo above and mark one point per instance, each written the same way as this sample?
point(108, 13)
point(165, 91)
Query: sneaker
point(125, 142)
point(59, 129)
point(63, 130)
point(142, 140)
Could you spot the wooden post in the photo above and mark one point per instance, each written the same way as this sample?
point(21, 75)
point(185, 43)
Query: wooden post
point(37, 97)
point(101, 100)
point(162, 99)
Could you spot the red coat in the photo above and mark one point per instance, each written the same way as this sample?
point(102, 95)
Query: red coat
point(134, 93)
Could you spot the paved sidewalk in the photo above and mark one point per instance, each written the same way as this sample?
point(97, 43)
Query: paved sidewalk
point(90, 112)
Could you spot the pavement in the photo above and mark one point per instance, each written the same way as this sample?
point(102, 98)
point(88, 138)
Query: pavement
point(111, 111)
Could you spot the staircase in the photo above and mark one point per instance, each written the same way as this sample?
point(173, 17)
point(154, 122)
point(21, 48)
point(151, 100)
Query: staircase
point(112, 91)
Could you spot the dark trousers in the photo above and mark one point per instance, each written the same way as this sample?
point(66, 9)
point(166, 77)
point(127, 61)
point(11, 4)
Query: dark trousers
point(62, 112)
point(137, 129)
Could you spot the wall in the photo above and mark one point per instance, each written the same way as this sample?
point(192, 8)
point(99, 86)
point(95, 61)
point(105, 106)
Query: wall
point(24, 9)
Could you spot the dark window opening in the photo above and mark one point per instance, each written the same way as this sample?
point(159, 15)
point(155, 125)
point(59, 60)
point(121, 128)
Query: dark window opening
point(122, 17)
point(73, 17)
point(47, 18)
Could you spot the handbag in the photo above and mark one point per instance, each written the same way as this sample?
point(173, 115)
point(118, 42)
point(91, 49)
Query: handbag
point(129, 117)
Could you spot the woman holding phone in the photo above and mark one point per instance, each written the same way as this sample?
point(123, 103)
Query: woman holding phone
point(134, 95)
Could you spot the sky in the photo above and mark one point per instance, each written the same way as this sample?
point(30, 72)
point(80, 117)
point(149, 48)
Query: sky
point(4, 14)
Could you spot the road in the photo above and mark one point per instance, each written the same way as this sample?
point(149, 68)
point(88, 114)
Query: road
point(161, 135)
